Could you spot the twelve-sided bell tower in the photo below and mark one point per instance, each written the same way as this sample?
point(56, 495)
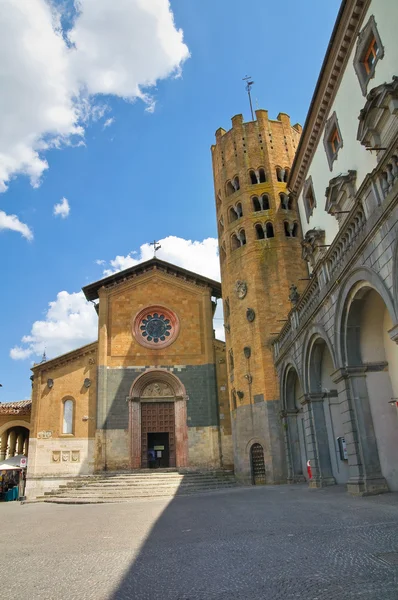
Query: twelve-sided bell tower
point(260, 255)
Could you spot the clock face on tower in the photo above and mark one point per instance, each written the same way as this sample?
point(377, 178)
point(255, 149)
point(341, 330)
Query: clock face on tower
point(155, 327)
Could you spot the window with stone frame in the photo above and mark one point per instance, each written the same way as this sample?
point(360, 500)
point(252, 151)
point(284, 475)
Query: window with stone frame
point(309, 199)
point(67, 416)
point(332, 139)
point(368, 52)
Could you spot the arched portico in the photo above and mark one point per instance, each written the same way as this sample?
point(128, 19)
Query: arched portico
point(369, 361)
point(158, 401)
point(293, 418)
point(14, 438)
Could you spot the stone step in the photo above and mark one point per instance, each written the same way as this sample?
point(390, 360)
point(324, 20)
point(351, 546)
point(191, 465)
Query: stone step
point(134, 490)
point(74, 499)
point(125, 487)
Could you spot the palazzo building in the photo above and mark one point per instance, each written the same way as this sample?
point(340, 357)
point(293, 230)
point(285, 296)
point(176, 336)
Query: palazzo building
point(154, 381)
point(337, 354)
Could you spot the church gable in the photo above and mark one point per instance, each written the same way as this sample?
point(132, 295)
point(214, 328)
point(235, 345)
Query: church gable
point(158, 315)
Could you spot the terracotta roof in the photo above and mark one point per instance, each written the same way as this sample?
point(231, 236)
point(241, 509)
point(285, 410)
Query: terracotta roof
point(91, 290)
point(16, 408)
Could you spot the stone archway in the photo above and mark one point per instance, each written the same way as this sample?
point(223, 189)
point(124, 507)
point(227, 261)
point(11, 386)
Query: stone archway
point(158, 389)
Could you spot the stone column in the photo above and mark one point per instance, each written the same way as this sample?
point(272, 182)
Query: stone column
point(12, 442)
point(20, 441)
point(292, 447)
point(135, 432)
point(181, 430)
point(26, 446)
point(3, 445)
point(363, 456)
point(317, 441)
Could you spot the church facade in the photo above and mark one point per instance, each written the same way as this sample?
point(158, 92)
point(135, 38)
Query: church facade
point(152, 390)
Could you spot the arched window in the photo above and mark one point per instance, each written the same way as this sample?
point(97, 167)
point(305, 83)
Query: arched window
point(291, 229)
point(236, 183)
point(269, 230)
point(256, 204)
point(229, 188)
point(259, 232)
point(221, 226)
point(239, 210)
point(265, 202)
point(253, 177)
point(223, 254)
point(262, 176)
point(281, 174)
point(218, 201)
point(284, 201)
point(286, 177)
point(242, 237)
point(235, 243)
point(232, 214)
point(67, 417)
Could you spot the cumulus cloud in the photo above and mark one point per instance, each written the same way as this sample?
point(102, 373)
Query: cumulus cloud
point(199, 257)
point(71, 321)
point(51, 78)
point(12, 223)
point(62, 209)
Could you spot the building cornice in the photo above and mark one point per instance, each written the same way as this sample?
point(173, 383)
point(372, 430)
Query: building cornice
point(65, 358)
point(344, 35)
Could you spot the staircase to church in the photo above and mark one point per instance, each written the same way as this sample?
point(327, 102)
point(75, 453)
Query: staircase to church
point(126, 487)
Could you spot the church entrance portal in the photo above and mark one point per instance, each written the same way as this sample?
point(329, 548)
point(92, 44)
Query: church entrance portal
point(158, 417)
point(158, 434)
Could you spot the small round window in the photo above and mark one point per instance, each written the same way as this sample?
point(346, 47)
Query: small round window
point(155, 327)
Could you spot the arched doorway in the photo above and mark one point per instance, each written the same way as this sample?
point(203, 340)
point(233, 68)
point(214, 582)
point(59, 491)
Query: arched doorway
point(14, 440)
point(323, 389)
point(368, 347)
point(257, 464)
point(158, 421)
point(294, 427)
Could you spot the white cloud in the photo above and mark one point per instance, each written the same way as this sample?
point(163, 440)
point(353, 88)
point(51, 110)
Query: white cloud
point(62, 209)
point(100, 262)
point(12, 223)
point(109, 122)
point(50, 78)
point(71, 321)
point(199, 257)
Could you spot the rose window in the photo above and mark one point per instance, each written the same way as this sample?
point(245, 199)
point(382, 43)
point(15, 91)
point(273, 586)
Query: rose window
point(155, 327)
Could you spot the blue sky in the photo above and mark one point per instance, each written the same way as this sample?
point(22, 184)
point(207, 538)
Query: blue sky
point(146, 174)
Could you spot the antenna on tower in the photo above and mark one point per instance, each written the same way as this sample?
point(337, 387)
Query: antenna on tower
point(249, 84)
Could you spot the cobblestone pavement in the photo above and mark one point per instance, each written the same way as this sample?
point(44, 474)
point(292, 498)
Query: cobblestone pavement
point(273, 543)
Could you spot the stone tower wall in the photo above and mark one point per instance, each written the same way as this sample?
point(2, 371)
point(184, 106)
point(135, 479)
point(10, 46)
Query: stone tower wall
point(267, 267)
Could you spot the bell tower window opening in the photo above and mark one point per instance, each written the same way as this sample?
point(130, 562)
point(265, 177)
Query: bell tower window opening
point(256, 204)
point(235, 243)
point(291, 229)
point(269, 230)
point(259, 232)
point(242, 237)
point(262, 175)
point(253, 177)
point(265, 202)
point(232, 214)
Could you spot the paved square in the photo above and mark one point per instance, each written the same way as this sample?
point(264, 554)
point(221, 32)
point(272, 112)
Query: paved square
point(273, 543)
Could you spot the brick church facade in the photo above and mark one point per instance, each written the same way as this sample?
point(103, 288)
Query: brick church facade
point(154, 381)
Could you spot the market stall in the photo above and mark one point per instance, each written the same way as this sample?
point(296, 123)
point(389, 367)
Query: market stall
point(12, 478)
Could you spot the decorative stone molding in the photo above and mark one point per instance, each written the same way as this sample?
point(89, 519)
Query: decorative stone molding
point(381, 107)
point(331, 126)
point(340, 194)
point(365, 37)
point(312, 244)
